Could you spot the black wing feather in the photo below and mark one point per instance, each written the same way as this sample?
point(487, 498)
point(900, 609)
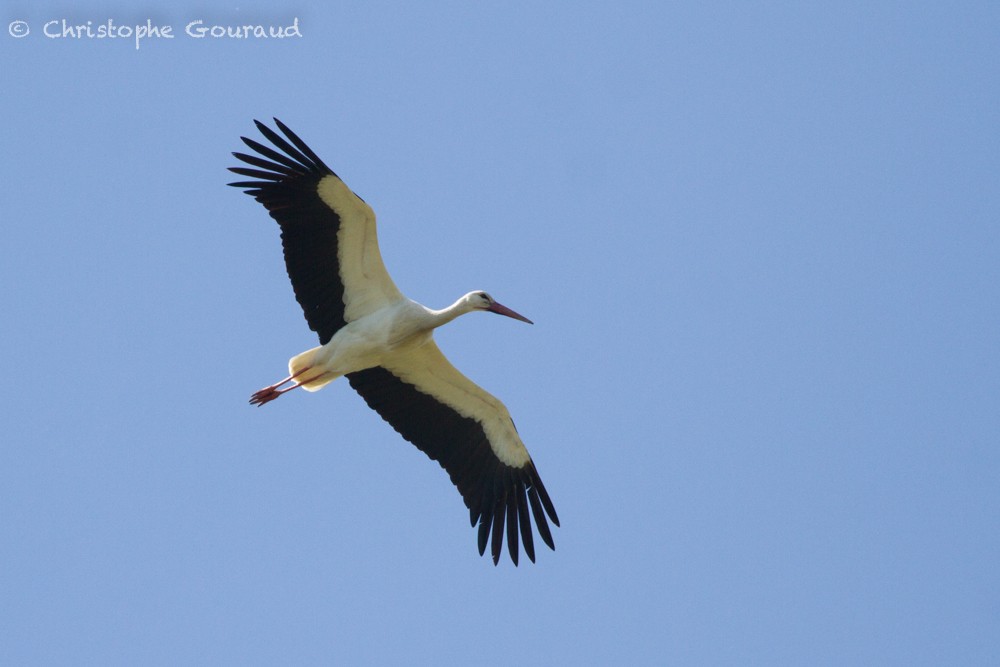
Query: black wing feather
point(286, 147)
point(301, 145)
point(540, 524)
point(498, 518)
point(525, 522)
point(268, 152)
point(493, 491)
point(287, 187)
point(512, 523)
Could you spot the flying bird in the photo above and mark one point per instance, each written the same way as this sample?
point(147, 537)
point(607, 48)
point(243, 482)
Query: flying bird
point(383, 343)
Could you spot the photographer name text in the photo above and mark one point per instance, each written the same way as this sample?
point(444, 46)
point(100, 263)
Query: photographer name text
point(111, 30)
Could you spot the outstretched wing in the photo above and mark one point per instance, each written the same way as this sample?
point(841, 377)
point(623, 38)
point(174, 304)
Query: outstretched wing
point(470, 433)
point(327, 232)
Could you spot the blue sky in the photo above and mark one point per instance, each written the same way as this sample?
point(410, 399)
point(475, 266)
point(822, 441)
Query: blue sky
point(761, 247)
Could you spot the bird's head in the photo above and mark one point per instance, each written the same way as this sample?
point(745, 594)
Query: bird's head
point(480, 300)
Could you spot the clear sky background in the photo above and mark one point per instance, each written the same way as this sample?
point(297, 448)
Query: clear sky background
point(761, 245)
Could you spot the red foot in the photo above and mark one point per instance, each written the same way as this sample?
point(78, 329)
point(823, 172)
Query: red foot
point(268, 394)
point(265, 395)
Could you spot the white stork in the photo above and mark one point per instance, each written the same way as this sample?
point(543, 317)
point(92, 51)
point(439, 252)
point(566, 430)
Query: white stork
point(383, 342)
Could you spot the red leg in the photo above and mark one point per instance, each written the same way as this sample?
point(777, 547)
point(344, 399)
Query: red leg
point(269, 393)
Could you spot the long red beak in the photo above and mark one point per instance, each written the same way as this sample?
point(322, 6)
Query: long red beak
point(501, 309)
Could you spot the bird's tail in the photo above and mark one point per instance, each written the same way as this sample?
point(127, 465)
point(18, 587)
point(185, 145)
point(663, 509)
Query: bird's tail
point(300, 367)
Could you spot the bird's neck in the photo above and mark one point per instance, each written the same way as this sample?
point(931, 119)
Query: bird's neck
point(445, 315)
